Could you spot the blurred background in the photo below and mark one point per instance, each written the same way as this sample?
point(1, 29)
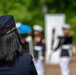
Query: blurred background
point(31, 12)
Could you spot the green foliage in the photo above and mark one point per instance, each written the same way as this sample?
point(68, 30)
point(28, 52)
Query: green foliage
point(31, 11)
point(72, 21)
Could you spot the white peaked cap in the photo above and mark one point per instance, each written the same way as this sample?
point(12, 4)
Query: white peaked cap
point(18, 24)
point(38, 28)
point(66, 26)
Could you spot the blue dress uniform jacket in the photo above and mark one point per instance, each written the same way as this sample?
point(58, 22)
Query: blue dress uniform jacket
point(23, 65)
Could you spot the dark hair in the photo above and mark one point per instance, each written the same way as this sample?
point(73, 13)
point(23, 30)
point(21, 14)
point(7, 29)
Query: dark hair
point(9, 47)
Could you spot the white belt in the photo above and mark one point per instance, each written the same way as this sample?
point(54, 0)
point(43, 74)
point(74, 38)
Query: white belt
point(38, 48)
point(66, 47)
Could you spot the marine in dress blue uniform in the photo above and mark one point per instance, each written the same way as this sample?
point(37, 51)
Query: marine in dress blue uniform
point(39, 49)
point(66, 45)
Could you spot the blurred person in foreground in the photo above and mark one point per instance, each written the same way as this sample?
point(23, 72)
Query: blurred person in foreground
point(39, 49)
point(12, 60)
point(66, 45)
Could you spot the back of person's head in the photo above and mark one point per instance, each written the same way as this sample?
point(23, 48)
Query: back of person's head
point(9, 41)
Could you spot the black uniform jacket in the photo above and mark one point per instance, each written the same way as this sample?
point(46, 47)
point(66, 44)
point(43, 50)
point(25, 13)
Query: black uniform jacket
point(22, 66)
point(64, 40)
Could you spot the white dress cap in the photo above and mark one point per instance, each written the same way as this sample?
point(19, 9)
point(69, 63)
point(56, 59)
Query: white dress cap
point(18, 24)
point(38, 28)
point(66, 26)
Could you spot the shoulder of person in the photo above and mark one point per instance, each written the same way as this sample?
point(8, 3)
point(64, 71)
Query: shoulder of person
point(27, 57)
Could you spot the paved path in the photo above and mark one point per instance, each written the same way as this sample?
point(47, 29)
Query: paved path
point(55, 70)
